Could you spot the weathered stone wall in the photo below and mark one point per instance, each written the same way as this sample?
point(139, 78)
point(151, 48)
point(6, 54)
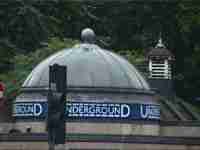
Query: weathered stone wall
point(103, 129)
point(108, 128)
point(180, 131)
point(6, 127)
point(93, 146)
point(113, 128)
point(92, 128)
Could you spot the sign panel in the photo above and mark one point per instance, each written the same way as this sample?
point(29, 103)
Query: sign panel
point(90, 110)
point(113, 110)
point(30, 110)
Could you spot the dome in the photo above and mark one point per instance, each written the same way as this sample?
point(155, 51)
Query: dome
point(89, 66)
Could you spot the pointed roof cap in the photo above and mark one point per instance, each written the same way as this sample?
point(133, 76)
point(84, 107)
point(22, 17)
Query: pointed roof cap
point(160, 44)
point(159, 51)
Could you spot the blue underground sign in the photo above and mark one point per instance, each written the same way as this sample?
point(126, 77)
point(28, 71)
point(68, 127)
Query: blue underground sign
point(90, 110)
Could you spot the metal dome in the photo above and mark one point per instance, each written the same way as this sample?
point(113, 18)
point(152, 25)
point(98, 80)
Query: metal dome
point(89, 66)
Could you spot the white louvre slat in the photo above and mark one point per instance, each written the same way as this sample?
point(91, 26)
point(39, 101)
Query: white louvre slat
point(159, 69)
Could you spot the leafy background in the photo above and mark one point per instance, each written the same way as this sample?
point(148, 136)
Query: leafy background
point(32, 30)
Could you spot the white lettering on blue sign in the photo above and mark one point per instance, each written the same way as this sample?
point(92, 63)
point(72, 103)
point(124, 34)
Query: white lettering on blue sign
point(88, 110)
point(27, 109)
point(125, 111)
point(150, 111)
point(97, 110)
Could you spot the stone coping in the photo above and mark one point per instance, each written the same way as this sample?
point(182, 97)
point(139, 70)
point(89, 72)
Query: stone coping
point(161, 122)
point(93, 90)
point(180, 123)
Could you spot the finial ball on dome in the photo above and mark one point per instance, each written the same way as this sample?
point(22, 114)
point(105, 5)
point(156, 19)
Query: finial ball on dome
point(88, 35)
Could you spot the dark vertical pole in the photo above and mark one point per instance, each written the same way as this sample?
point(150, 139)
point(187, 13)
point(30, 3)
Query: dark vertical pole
point(50, 130)
point(61, 88)
point(56, 105)
point(51, 134)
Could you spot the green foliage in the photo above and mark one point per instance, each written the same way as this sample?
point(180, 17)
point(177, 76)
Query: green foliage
point(22, 24)
point(6, 54)
point(186, 41)
point(133, 56)
point(27, 25)
point(25, 63)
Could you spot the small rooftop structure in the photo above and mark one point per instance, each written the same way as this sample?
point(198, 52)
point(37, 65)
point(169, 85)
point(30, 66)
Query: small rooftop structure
point(159, 60)
point(160, 51)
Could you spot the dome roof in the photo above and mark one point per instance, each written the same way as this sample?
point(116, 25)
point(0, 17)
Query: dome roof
point(89, 66)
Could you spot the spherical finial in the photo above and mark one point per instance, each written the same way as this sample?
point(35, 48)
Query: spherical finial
point(88, 35)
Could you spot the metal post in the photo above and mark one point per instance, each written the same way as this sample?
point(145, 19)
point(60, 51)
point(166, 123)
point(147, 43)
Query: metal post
point(51, 139)
point(51, 146)
point(57, 84)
